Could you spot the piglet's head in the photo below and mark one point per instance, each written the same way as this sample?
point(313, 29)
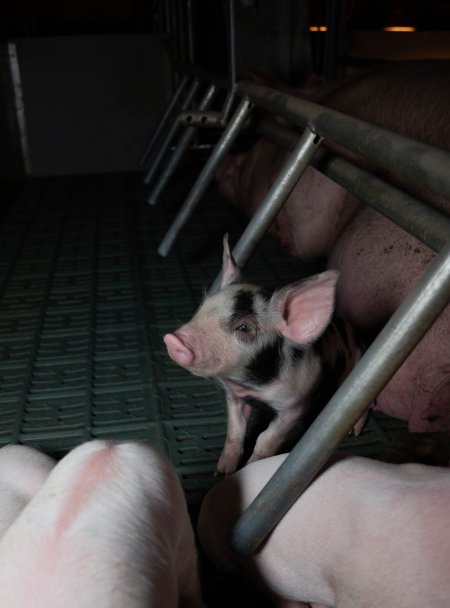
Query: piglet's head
point(204, 345)
point(232, 326)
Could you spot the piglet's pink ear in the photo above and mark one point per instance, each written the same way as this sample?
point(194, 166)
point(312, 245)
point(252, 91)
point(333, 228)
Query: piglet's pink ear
point(230, 270)
point(306, 308)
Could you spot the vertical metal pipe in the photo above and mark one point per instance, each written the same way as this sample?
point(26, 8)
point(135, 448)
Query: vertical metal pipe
point(190, 32)
point(223, 145)
point(16, 80)
point(164, 119)
point(231, 44)
point(171, 134)
point(293, 169)
point(415, 315)
point(178, 153)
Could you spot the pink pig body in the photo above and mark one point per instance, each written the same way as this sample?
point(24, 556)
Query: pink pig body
point(378, 262)
point(279, 348)
point(364, 534)
point(108, 528)
point(419, 392)
point(23, 471)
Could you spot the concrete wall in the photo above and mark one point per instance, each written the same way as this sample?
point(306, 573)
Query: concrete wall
point(90, 101)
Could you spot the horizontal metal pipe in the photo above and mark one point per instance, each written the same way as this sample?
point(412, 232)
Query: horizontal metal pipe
point(425, 223)
point(406, 327)
point(419, 163)
point(307, 146)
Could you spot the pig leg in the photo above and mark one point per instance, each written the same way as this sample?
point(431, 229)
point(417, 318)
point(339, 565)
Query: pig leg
point(23, 471)
point(273, 437)
point(109, 528)
point(238, 415)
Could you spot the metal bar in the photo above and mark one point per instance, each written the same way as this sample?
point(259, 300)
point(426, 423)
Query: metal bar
point(415, 315)
point(304, 152)
point(416, 162)
point(16, 80)
point(223, 145)
point(190, 32)
point(425, 223)
point(171, 134)
point(231, 43)
point(184, 143)
point(334, 22)
point(164, 119)
point(205, 75)
point(231, 47)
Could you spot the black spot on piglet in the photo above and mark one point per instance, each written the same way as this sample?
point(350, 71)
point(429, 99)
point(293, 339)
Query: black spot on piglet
point(242, 304)
point(265, 365)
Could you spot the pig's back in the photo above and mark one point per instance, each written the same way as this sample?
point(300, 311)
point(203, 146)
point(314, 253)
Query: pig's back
point(105, 531)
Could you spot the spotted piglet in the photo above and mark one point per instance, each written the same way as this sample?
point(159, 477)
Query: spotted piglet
point(281, 348)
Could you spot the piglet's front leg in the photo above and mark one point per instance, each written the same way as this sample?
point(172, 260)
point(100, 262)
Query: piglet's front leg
point(238, 414)
point(276, 433)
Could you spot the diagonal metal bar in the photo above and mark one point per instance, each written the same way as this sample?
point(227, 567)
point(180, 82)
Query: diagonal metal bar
point(415, 315)
point(162, 123)
point(171, 134)
point(303, 153)
point(223, 146)
point(184, 143)
point(427, 224)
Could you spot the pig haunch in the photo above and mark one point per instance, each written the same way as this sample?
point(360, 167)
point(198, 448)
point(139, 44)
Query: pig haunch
point(281, 348)
point(108, 528)
point(364, 533)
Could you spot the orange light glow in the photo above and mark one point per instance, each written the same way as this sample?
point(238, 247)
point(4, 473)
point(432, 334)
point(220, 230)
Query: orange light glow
point(318, 28)
point(399, 28)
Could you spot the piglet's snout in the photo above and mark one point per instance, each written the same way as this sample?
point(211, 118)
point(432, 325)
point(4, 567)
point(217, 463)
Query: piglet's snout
point(178, 350)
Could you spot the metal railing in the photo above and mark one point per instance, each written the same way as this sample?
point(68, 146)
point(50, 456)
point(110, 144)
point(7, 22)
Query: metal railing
point(423, 166)
point(183, 110)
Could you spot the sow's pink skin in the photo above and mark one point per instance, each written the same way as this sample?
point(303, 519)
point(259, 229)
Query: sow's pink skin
point(277, 348)
point(364, 533)
point(108, 528)
point(378, 261)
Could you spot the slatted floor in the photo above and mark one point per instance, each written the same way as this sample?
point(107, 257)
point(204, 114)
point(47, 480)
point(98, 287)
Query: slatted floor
point(84, 302)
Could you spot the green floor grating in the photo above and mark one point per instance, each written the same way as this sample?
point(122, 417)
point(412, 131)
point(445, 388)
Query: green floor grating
point(85, 300)
point(84, 303)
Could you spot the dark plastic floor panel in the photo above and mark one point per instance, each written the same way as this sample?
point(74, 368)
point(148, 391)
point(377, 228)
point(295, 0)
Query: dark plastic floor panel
point(84, 303)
